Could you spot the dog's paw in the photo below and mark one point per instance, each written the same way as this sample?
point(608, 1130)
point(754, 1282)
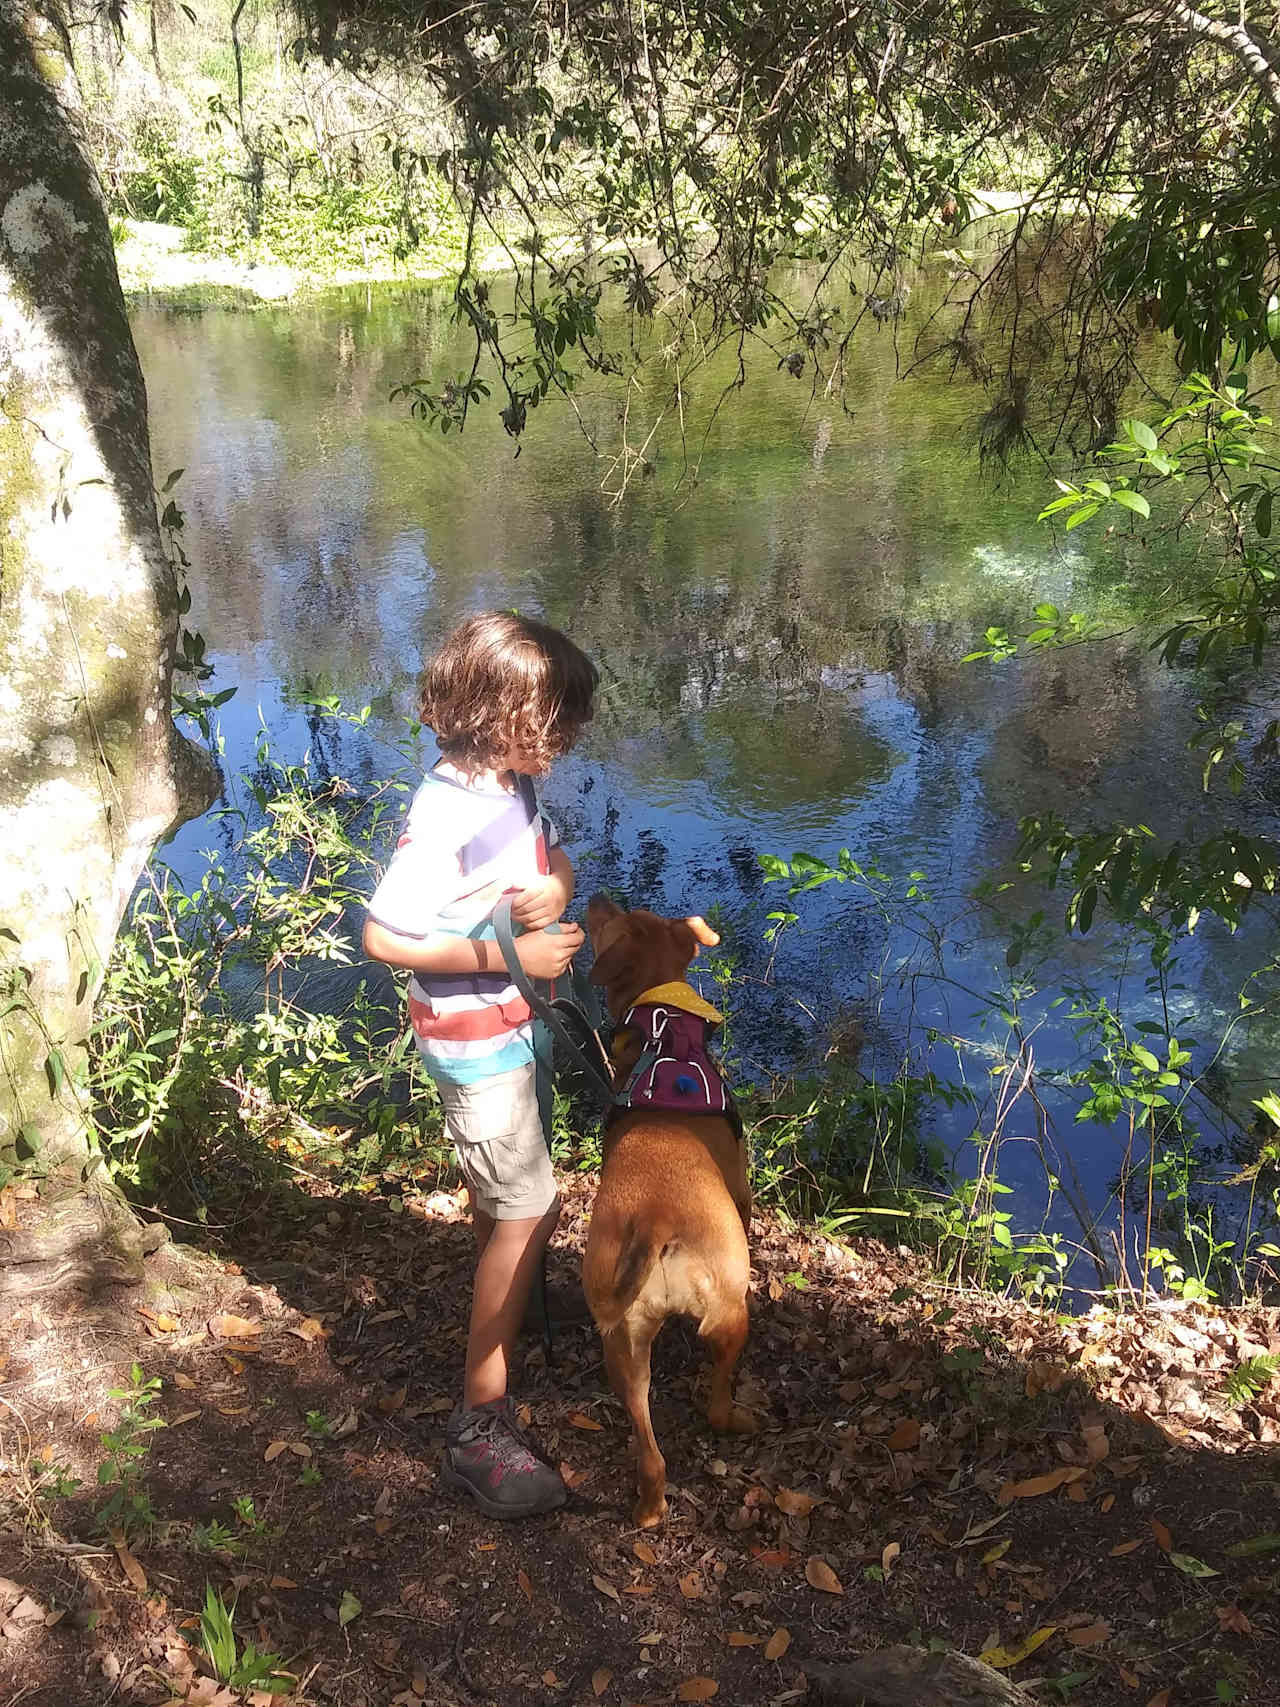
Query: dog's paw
point(648, 1516)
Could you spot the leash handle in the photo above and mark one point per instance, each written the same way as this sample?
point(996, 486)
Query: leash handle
point(504, 931)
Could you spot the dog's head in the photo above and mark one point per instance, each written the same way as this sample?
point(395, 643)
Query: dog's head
point(636, 951)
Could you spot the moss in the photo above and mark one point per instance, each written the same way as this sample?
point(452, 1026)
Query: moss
point(18, 481)
point(51, 65)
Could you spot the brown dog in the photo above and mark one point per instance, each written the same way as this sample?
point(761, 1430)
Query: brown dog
point(668, 1232)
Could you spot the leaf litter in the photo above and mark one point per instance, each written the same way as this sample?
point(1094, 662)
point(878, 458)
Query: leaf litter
point(902, 1423)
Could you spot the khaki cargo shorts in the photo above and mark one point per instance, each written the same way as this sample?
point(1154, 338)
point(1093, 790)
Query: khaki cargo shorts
point(497, 1138)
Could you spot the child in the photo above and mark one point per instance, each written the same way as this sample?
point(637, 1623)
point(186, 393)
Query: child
point(505, 696)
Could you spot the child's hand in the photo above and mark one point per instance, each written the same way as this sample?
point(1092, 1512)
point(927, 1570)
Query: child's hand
point(546, 954)
point(540, 904)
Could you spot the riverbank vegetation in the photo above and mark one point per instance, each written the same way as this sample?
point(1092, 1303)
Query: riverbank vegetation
point(215, 140)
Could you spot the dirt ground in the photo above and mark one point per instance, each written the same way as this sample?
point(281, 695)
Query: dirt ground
point(1074, 1498)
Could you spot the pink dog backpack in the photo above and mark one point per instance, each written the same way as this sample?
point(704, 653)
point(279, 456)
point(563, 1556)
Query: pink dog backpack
point(675, 1072)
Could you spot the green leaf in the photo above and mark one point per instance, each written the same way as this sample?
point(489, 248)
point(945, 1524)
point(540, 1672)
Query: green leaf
point(1082, 515)
point(54, 1071)
point(1141, 434)
point(349, 1607)
point(1192, 1567)
point(1268, 1543)
point(1131, 501)
point(1145, 1058)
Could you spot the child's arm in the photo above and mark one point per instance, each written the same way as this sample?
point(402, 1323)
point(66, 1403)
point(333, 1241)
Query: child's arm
point(540, 904)
point(543, 954)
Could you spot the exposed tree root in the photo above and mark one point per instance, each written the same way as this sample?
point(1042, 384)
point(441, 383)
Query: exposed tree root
point(910, 1677)
point(81, 1239)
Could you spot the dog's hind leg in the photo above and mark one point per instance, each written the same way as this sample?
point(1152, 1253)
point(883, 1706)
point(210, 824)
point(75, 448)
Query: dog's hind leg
point(726, 1339)
point(626, 1356)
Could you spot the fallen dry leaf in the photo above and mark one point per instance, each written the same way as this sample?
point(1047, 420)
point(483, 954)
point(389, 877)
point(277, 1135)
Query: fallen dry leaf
point(158, 1322)
point(889, 1556)
point(692, 1586)
point(227, 1327)
point(905, 1437)
point(185, 1417)
point(645, 1553)
point(600, 1680)
point(1162, 1698)
point(128, 1564)
point(577, 1420)
point(1231, 1618)
point(1164, 1540)
point(1123, 1547)
point(1044, 1377)
point(697, 1689)
point(777, 1644)
point(1045, 1484)
point(283, 1582)
point(743, 1639)
point(1096, 1445)
point(309, 1329)
point(1002, 1658)
point(606, 1588)
point(794, 1504)
point(181, 1380)
point(1089, 1635)
point(274, 1450)
point(526, 1587)
point(818, 1574)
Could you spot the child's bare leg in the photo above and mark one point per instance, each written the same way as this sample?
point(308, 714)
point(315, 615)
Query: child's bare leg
point(509, 1252)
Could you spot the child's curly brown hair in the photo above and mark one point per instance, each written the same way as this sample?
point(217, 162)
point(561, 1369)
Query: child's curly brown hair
point(503, 683)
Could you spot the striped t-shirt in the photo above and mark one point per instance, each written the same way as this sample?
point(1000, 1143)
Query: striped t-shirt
point(464, 844)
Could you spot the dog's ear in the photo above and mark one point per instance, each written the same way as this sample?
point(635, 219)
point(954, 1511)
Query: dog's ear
point(700, 931)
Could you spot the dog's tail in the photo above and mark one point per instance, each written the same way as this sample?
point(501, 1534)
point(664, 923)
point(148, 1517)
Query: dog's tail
point(640, 1248)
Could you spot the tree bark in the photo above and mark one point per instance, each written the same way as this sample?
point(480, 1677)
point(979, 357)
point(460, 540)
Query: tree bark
point(92, 767)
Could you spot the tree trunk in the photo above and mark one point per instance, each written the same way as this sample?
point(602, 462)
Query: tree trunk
point(92, 768)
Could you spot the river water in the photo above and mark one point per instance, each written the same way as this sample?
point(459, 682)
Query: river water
point(779, 613)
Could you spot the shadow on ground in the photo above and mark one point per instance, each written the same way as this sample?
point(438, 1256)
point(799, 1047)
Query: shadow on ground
point(931, 1468)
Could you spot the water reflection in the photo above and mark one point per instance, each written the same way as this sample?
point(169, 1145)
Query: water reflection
point(778, 632)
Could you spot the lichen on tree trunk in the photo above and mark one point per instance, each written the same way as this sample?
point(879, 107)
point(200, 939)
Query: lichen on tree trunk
point(92, 767)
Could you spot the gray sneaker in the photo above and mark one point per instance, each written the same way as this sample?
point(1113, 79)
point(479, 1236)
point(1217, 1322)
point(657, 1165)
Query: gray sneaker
point(488, 1455)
